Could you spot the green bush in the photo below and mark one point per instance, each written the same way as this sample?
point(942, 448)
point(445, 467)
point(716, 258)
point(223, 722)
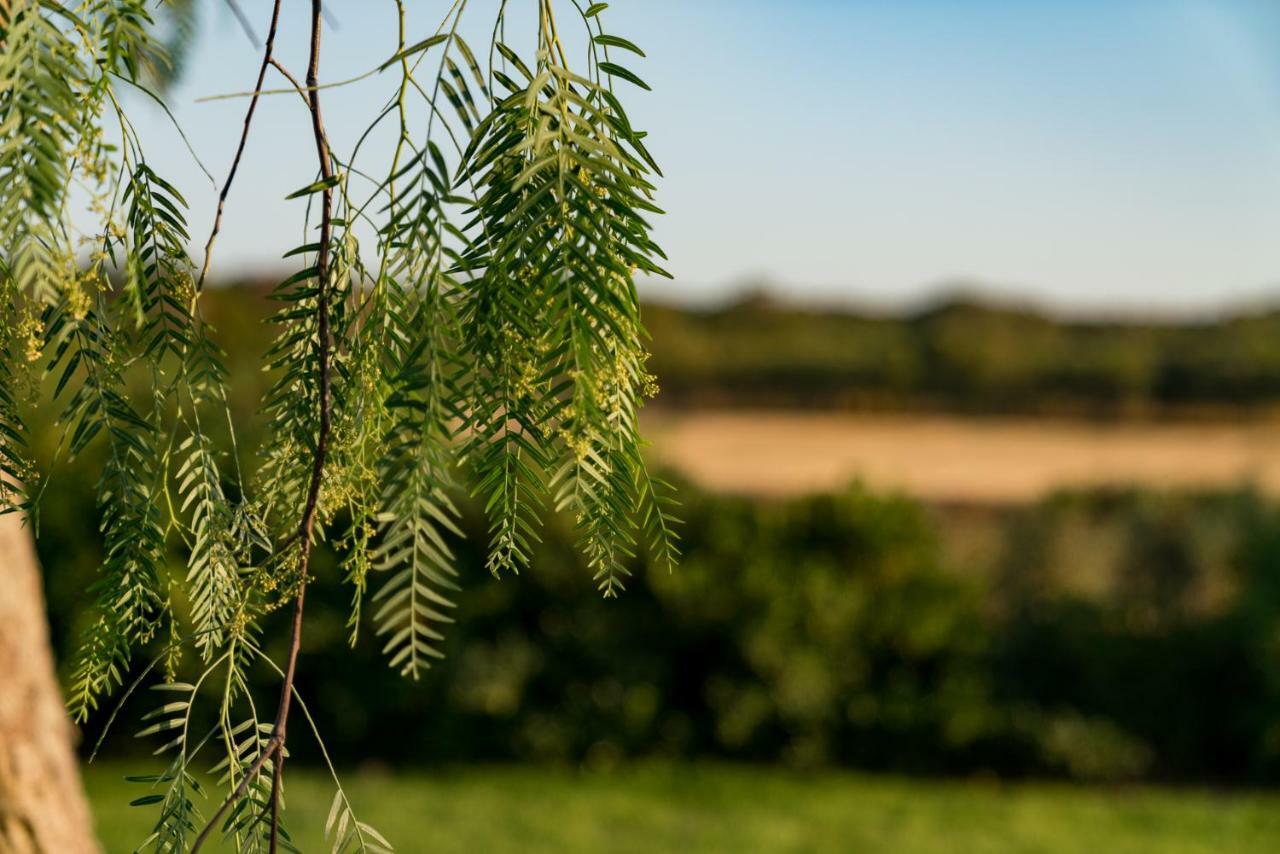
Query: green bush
point(831, 631)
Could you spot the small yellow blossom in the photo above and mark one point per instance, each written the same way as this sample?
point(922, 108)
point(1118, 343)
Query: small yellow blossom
point(31, 329)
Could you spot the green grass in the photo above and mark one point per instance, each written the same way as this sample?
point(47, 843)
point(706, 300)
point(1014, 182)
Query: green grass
point(727, 808)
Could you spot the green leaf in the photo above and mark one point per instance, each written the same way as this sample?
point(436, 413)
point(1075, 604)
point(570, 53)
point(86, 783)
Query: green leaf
point(146, 800)
point(618, 41)
point(425, 44)
point(318, 186)
point(302, 250)
point(615, 70)
point(333, 812)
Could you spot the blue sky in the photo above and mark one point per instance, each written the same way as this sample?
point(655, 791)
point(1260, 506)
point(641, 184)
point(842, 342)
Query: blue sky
point(1085, 154)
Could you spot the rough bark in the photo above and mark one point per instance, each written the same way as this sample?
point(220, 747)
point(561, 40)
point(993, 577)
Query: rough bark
point(42, 805)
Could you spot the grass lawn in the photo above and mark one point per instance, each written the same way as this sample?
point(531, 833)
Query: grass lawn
point(728, 808)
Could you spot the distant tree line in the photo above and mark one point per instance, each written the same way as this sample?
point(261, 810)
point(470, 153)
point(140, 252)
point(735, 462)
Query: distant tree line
point(964, 355)
point(961, 355)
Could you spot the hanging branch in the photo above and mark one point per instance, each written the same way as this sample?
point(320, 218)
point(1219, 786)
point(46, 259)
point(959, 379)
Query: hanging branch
point(305, 527)
point(267, 59)
point(275, 750)
point(496, 343)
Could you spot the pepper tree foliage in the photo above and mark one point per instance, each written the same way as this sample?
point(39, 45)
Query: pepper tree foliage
point(464, 314)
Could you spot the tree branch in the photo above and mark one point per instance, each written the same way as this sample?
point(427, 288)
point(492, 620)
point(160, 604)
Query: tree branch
point(293, 81)
point(322, 439)
point(275, 745)
point(272, 748)
point(244, 138)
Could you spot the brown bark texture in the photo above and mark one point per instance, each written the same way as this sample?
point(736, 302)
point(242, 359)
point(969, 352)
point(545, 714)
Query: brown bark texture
point(42, 804)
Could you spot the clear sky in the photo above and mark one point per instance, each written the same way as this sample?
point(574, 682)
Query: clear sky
point(1085, 154)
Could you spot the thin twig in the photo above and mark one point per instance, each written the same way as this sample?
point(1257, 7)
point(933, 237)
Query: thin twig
point(244, 138)
point(284, 72)
point(322, 438)
point(249, 93)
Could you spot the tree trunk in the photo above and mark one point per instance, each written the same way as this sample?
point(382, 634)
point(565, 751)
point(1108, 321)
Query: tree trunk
point(42, 805)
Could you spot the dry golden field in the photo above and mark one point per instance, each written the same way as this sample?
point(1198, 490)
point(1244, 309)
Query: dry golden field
point(958, 459)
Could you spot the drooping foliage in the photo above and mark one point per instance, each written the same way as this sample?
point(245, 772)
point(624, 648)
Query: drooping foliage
point(465, 317)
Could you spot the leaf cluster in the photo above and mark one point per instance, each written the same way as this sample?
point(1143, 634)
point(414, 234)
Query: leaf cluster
point(467, 320)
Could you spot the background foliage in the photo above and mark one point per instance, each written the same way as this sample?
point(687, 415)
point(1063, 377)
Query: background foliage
point(966, 355)
point(1104, 635)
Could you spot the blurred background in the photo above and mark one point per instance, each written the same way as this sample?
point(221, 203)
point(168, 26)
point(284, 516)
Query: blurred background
point(970, 380)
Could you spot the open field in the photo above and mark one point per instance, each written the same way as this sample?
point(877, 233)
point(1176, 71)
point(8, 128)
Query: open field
point(955, 459)
point(725, 808)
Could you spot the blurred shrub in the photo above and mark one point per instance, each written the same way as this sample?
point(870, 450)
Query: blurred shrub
point(1179, 648)
point(1091, 748)
point(829, 630)
point(848, 641)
